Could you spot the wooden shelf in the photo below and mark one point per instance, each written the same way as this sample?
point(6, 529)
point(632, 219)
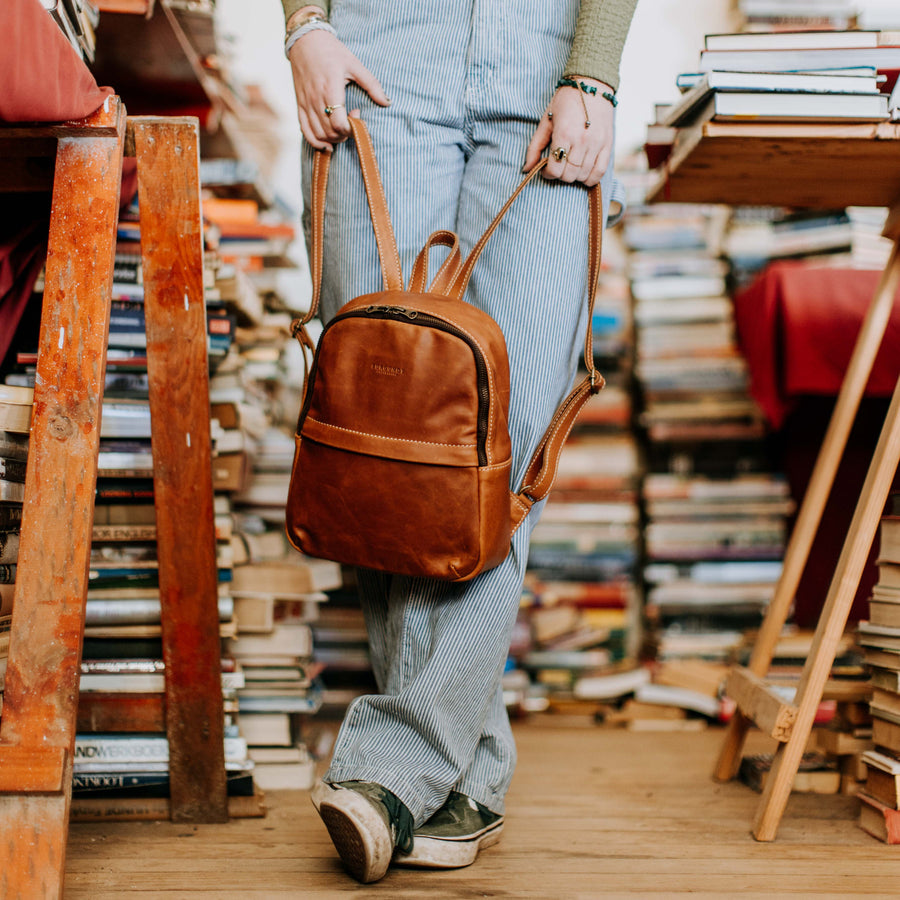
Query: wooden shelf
point(798, 165)
point(819, 166)
point(153, 65)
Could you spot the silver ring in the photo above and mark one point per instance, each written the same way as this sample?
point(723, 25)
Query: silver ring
point(559, 153)
point(330, 109)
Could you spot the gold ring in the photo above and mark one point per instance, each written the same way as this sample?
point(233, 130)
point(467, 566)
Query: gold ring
point(560, 153)
point(330, 109)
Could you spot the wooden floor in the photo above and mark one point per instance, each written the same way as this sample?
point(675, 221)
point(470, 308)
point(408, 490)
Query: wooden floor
point(592, 813)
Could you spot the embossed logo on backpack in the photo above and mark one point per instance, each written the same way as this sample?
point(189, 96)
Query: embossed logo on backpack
point(385, 369)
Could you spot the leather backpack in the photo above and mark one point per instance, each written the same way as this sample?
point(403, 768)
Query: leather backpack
point(402, 460)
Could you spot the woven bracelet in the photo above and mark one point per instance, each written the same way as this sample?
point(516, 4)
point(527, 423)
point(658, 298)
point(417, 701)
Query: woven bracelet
point(316, 23)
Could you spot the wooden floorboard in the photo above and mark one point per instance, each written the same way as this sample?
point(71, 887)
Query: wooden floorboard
point(592, 813)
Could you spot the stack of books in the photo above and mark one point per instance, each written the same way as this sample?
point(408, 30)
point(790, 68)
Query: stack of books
point(690, 373)
point(880, 639)
point(78, 20)
point(818, 15)
point(796, 78)
point(790, 15)
point(122, 667)
point(713, 557)
point(715, 513)
point(787, 77)
point(15, 420)
point(847, 238)
point(280, 690)
point(108, 767)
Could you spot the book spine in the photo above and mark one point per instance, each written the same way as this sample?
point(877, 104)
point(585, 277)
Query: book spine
point(13, 446)
point(127, 269)
point(12, 491)
point(139, 749)
point(149, 784)
point(7, 573)
point(124, 533)
point(137, 610)
point(118, 666)
point(10, 519)
point(9, 546)
point(124, 489)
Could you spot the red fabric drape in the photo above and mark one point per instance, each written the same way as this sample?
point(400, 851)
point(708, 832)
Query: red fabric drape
point(42, 79)
point(797, 327)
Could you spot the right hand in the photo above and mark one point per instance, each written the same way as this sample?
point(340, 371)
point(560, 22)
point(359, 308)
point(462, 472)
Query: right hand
point(322, 66)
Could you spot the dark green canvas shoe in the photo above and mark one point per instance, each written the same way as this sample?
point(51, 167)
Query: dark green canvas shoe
point(453, 836)
point(366, 823)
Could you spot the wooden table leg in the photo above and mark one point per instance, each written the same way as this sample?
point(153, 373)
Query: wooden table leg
point(38, 726)
point(168, 159)
point(835, 441)
point(831, 624)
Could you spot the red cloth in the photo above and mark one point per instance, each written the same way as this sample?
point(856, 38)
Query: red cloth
point(797, 327)
point(43, 80)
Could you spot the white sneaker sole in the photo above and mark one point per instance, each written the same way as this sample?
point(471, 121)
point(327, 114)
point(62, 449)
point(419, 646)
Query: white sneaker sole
point(440, 853)
point(358, 832)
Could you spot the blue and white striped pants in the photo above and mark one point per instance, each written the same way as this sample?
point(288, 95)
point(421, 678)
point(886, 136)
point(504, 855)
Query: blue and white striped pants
point(468, 82)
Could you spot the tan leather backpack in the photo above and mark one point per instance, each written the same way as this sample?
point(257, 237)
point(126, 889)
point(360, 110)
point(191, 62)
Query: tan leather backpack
point(402, 458)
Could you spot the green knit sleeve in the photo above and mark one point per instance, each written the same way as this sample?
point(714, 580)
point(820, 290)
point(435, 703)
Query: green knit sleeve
point(291, 6)
point(599, 39)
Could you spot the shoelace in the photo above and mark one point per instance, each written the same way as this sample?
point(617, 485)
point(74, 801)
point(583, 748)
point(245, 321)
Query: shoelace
point(400, 817)
point(401, 821)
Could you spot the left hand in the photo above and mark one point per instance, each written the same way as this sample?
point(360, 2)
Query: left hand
point(588, 150)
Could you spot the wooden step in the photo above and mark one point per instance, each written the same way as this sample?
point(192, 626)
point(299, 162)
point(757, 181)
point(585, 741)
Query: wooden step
point(761, 703)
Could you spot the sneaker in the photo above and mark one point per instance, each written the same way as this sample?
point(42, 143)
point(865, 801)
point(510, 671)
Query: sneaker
point(366, 823)
point(453, 836)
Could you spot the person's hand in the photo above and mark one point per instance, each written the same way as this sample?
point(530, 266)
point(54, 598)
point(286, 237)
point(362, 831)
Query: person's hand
point(322, 66)
point(586, 151)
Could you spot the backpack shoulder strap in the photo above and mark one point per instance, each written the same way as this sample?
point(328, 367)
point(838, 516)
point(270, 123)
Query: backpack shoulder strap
point(541, 471)
point(543, 465)
point(381, 220)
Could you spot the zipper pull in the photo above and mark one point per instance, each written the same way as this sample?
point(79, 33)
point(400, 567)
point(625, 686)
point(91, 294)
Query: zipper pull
point(395, 310)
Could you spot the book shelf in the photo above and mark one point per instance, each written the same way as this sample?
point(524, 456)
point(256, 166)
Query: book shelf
point(811, 166)
point(38, 725)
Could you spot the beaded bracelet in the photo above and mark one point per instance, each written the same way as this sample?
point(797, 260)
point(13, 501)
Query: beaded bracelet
point(587, 88)
point(313, 23)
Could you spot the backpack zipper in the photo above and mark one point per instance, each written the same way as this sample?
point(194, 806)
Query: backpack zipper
point(414, 316)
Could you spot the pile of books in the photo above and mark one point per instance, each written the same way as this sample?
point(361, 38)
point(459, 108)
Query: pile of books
point(111, 767)
point(713, 557)
point(799, 76)
point(280, 689)
point(78, 20)
point(847, 238)
point(880, 639)
point(818, 15)
point(715, 511)
point(792, 15)
point(15, 419)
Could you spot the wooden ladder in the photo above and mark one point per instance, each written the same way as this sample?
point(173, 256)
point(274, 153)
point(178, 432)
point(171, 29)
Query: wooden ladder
point(790, 723)
point(37, 729)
